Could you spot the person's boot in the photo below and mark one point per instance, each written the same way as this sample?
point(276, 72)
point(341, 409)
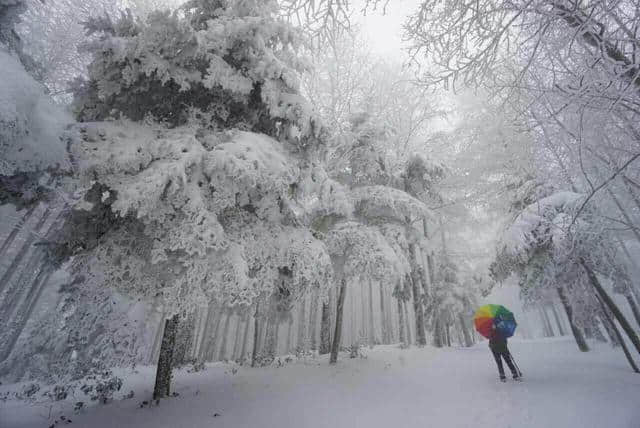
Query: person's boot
point(503, 378)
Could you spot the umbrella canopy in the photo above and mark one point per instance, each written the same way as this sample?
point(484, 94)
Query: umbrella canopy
point(494, 319)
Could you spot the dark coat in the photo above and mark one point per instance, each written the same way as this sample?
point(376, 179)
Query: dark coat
point(498, 344)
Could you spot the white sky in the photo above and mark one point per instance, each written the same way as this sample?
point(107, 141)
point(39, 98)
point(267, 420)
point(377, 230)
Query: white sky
point(384, 32)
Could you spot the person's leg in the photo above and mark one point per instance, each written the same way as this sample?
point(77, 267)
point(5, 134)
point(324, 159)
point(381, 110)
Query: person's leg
point(496, 356)
point(509, 361)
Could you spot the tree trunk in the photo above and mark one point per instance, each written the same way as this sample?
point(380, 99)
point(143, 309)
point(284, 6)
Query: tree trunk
point(458, 332)
point(609, 329)
point(407, 322)
point(557, 318)
point(206, 332)
point(200, 315)
point(465, 331)
point(183, 338)
point(289, 332)
point(6, 277)
point(403, 338)
point(634, 307)
point(271, 337)
point(391, 330)
point(195, 334)
point(445, 334)
point(215, 336)
point(237, 334)
point(577, 334)
point(222, 353)
point(448, 334)
point(157, 340)
point(256, 336)
point(335, 346)
point(16, 229)
point(350, 302)
point(325, 329)
point(418, 307)
point(15, 290)
point(210, 342)
point(437, 331)
point(313, 322)
point(612, 306)
point(372, 330)
point(163, 372)
point(332, 311)
point(12, 330)
point(301, 325)
point(546, 322)
point(619, 337)
point(383, 317)
point(264, 328)
point(545, 327)
point(245, 337)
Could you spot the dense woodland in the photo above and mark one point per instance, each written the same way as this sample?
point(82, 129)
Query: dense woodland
point(245, 180)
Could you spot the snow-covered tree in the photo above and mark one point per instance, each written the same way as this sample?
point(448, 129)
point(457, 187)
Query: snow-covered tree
point(551, 246)
point(228, 63)
point(174, 206)
point(189, 217)
point(358, 252)
point(398, 216)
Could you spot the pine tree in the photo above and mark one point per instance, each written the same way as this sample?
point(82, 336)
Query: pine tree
point(226, 63)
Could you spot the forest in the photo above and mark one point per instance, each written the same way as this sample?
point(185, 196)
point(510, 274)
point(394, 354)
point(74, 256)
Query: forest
point(231, 212)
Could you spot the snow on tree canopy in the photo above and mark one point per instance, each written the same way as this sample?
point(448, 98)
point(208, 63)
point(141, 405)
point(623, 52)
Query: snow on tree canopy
point(231, 64)
point(322, 201)
point(275, 251)
point(146, 167)
point(396, 237)
point(556, 248)
point(358, 250)
point(179, 197)
point(388, 203)
point(532, 226)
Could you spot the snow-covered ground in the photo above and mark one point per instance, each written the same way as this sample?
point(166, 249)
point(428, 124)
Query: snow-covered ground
point(389, 388)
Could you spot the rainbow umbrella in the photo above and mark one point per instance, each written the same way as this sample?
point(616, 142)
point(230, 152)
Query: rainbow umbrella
point(489, 316)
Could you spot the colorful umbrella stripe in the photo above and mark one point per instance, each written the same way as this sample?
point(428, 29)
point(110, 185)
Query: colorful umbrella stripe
point(494, 319)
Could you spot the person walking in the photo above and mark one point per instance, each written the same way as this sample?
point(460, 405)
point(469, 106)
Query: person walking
point(498, 346)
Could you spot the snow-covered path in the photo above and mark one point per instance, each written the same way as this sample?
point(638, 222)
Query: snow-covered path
point(390, 388)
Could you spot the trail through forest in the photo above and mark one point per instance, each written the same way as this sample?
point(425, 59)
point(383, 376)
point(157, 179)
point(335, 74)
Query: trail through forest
point(417, 387)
